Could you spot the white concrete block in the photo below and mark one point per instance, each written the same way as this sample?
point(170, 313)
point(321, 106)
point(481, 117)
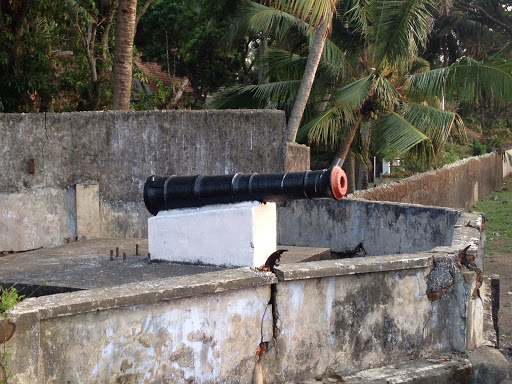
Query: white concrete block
point(241, 235)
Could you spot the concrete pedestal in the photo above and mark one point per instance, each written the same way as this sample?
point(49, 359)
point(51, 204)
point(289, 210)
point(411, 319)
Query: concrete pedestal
point(238, 235)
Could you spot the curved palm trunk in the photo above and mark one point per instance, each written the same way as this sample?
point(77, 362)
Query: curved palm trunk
point(301, 100)
point(350, 171)
point(344, 148)
point(123, 53)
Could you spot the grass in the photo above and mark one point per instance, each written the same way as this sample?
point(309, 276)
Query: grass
point(498, 219)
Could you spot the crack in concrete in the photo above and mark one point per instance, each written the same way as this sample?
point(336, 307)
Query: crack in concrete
point(42, 150)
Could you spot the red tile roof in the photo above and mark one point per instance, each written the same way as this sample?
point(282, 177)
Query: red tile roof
point(154, 71)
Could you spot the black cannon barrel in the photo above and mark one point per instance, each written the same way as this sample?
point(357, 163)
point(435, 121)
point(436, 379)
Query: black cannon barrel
point(164, 193)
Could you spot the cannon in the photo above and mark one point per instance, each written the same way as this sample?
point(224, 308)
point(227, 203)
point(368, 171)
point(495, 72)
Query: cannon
point(165, 193)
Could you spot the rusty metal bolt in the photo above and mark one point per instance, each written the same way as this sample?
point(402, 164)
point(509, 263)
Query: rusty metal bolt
point(31, 166)
point(149, 258)
point(117, 251)
point(6, 330)
point(111, 255)
point(136, 249)
point(124, 257)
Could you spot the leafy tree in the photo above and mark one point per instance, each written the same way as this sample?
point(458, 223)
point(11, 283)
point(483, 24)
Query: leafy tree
point(495, 14)
point(57, 56)
point(185, 37)
point(25, 55)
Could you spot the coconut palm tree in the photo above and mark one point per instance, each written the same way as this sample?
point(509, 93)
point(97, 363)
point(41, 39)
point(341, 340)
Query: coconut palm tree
point(313, 15)
point(379, 85)
point(123, 53)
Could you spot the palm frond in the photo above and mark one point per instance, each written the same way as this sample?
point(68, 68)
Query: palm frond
point(327, 128)
point(333, 59)
point(254, 96)
point(427, 84)
point(284, 64)
point(352, 95)
point(311, 11)
point(393, 135)
point(433, 122)
point(262, 18)
point(468, 80)
point(386, 92)
point(398, 28)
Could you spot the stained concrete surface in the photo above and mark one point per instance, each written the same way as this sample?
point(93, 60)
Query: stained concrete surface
point(446, 369)
point(87, 265)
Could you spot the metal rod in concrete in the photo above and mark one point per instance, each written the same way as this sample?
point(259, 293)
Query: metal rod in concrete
point(124, 257)
point(111, 255)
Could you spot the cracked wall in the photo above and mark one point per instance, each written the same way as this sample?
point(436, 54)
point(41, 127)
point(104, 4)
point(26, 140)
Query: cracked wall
point(299, 322)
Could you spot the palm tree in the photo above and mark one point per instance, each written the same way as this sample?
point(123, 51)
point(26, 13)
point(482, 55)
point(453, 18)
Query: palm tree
point(379, 85)
point(315, 15)
point(123, 53)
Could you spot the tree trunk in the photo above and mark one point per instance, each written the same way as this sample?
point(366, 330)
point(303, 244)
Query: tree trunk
point(350, 170)
point(123, 53)
point(262, 60)
point(344, 148)
point(301, 99)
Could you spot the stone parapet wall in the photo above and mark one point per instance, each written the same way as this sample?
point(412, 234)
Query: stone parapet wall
point(312, 318)
point(118, 151)
point(366, 226)
point(507, 162)
point(457, 185)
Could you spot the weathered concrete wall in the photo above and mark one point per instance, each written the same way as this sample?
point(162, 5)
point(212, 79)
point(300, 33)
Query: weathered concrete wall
point(119, 150)
point(344, 225)
point(457, 185)
point(507, 163)
point(334, 315)
point(41, 218)
point(172, 330)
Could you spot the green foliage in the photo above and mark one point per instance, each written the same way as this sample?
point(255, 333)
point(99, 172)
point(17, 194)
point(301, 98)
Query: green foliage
point(156, 100)
point(186, 38)
point(498, 214)
point(453, 152)
point(478, 148)
point(8, 298)
point(412, 163)
point(55, 56)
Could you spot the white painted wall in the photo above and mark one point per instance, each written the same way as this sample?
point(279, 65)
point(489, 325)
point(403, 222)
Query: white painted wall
point(507, 163)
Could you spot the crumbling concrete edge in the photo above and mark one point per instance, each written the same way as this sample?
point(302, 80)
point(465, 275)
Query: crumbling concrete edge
point(140, 293)
point(357, 265)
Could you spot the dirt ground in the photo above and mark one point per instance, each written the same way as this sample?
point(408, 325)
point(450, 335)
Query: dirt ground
point(501, 264)
point(499, 258)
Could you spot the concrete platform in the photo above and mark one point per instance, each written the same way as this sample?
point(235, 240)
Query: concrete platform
point(87, 265)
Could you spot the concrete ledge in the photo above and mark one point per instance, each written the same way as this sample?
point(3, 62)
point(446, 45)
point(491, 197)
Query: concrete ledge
point(142, 293)
point(356, 265)
point(489, 366)
point(440, 369)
